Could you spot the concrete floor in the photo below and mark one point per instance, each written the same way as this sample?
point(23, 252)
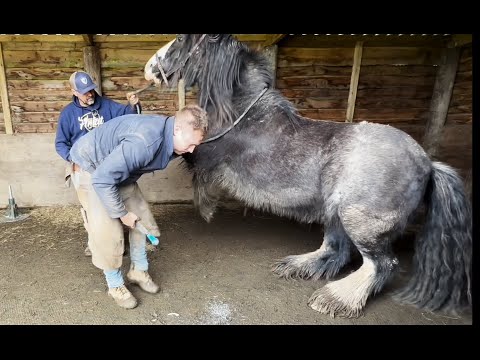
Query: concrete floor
point(217, 273)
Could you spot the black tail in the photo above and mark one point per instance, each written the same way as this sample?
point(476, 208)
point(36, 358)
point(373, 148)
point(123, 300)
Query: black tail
point(443, 252)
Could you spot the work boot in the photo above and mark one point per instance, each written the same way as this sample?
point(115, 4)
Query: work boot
point(123, 297)
point(142, 279)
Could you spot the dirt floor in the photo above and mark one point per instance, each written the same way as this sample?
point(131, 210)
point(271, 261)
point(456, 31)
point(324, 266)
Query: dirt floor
point(217, 273)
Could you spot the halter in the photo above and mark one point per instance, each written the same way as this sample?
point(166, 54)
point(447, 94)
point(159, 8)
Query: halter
point(238, 120)
point(181, 64)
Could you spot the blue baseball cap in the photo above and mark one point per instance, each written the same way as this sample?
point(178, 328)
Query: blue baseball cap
point(81, 82)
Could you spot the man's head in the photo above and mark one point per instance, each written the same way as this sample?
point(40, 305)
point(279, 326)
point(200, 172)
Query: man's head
point(190, 127)
point(83, 87)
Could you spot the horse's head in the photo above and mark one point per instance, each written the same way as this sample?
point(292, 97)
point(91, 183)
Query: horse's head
point(180, 58)
point(225, 70)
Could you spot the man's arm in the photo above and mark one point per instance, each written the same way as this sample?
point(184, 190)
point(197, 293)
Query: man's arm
point(120, 109)
point(63, 138)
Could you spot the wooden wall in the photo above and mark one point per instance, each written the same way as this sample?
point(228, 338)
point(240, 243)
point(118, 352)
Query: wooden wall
point(37, 77)
point(395, 83)
point(395, 87)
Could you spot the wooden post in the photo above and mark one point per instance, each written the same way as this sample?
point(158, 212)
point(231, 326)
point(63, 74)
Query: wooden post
point(442, 93)
point(181, 94)
point(352, 94)
point(92, 65)
point(271, 53)
point(4, 95)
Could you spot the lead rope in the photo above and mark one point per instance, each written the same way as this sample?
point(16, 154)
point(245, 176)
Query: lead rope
point(236, 121)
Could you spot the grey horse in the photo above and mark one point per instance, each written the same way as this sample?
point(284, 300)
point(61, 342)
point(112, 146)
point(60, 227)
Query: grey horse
point(363, 181)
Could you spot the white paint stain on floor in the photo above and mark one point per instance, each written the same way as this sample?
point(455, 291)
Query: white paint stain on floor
point(217, 313)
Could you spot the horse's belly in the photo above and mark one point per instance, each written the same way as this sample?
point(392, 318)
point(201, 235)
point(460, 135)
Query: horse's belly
point(260, 191)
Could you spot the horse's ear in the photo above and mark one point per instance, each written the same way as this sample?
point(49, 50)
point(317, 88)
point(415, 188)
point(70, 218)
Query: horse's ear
point(213, 37)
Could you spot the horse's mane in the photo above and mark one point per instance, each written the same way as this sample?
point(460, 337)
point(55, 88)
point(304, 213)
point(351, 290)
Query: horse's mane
point(222, 67)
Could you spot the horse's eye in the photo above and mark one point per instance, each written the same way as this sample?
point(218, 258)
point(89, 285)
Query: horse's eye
point(179, 38)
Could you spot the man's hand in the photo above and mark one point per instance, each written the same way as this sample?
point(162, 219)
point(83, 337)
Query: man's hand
point(129, 219)
point(132, 98)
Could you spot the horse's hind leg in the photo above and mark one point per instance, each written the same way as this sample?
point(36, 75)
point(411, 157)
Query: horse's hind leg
point(324, 262)
point(372, 235)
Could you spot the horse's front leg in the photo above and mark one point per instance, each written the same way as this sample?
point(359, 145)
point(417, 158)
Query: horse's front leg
point(205, 196)
point(324, 262)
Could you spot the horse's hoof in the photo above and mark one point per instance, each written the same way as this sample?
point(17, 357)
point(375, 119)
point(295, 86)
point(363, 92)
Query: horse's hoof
point(285, 269)
point(324, 302)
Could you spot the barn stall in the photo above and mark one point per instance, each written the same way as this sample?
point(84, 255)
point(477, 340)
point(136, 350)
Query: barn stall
point(421, 84)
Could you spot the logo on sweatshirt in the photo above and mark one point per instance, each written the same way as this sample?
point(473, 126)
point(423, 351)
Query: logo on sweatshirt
point(90, 120)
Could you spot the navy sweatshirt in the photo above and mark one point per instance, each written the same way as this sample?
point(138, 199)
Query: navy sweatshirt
point(120, 151)
point(75, 121)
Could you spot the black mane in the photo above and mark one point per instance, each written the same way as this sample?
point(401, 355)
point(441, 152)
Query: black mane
point(221, 67)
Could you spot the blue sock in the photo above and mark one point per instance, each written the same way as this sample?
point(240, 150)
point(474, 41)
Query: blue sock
point(114, 278)
point(138, 255)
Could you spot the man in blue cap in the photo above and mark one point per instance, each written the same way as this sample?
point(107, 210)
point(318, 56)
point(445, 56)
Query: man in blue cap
point(87, 111)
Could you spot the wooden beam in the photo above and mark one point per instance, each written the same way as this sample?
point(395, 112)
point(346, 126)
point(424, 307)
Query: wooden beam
point(92, 65)
point(272, 39)
point(352, 94)
point(4, 95)
point(100, 38)
point(461, 39)
point(41, 38)
point(442, 93)
point(181, 94)
point(88, 38)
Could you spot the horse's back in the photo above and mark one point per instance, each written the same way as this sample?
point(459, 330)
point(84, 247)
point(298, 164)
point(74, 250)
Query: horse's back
point(383, 168)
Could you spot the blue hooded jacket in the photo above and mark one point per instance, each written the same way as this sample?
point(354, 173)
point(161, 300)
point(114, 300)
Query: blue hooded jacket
point(120, 151)
point(76, 120)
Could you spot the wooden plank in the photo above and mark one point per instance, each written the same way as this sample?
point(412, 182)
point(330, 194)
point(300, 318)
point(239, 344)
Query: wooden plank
point(37, 73)
point(352, 94)
point(181, 94)
point(361, 103)
point(386, 70)
point(368, 81)
point(26, 127)
point(371, 56)
point(418, 92)
point(442, 93)
point(35, 106)
point(44, 46)
point(63, 94)
point(38, 85)
point(44, 59)
point(152, 46)
point(4, 95)
point(36, 117)
point(121, 57)
point(92, 61)
point(391, 115)
point(41, 38)
point(453, 119)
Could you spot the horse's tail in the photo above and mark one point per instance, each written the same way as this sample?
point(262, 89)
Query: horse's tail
point(443, 252)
